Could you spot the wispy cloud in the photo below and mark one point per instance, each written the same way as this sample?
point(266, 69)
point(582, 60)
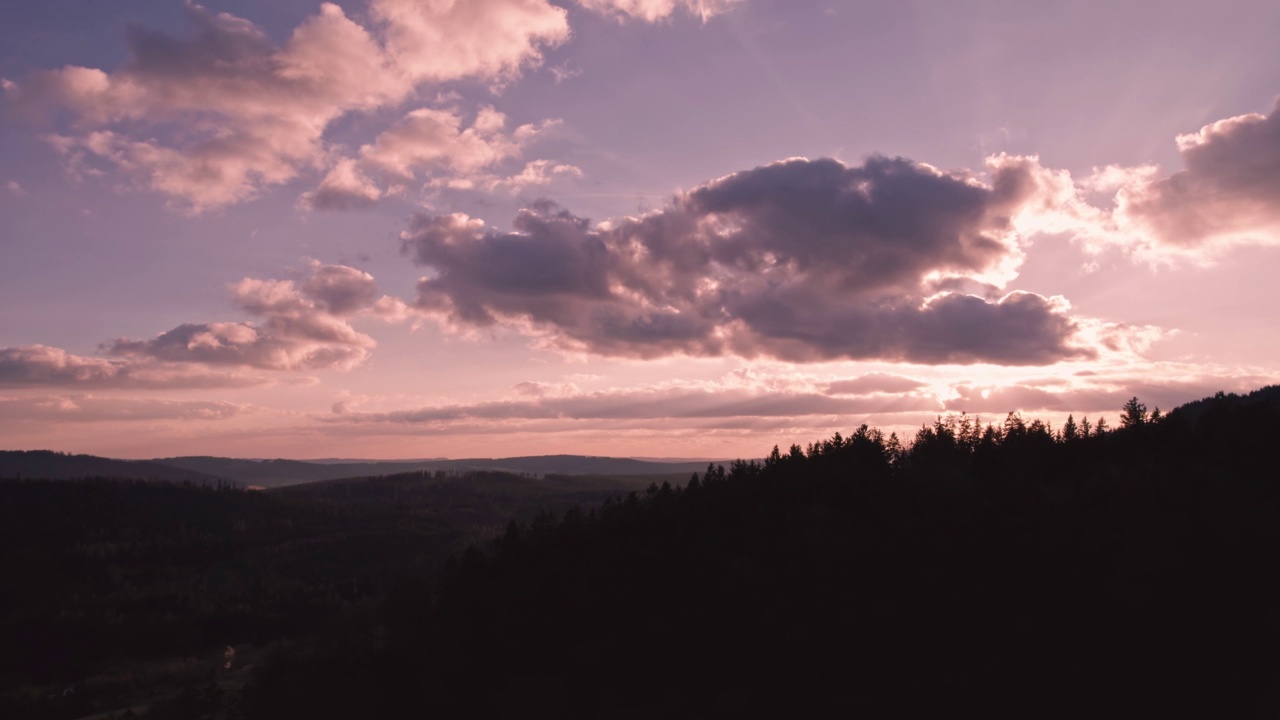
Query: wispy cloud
point(92, 409)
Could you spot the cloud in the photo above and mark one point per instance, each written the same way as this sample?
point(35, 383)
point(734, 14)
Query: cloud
point(1228, 193)
point(535, 174)
point(344, 187)
point(302, 326)
point(214, 117)
point(427, 137)
point(650, 403)
point(441, 144)
point(874, 383)
point(41, 365)
point(541, 389)
point(88, 408)
point(798, 260)
point(1097, 394)
point(654, 10)
point(438, 41)
point(16, 188)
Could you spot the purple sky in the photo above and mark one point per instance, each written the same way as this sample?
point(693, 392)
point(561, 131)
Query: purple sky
point(408, 228)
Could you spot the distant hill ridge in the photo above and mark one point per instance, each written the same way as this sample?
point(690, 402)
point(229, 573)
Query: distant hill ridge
point(48, 464)
point(278, 473)
point(51, 465)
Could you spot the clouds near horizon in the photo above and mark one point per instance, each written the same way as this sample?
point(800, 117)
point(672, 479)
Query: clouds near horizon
point(301, 325)
point(94, 409)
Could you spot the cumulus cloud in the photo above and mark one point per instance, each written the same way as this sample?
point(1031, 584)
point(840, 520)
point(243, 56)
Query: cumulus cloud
point(1229, 191)
point(344, 187)
point(536, 173)
point(437, 41)
point(798, 260)
point(654, 10)
point(427, 137)
point(214, 117)
point(441, 144)
point(1227, 194)
point(301, 325)
point(42, 365)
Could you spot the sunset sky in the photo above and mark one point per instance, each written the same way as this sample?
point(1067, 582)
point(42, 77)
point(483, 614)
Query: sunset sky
point(647, 228)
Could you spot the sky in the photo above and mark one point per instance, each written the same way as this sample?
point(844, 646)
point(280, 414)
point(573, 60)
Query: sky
point(645, 228)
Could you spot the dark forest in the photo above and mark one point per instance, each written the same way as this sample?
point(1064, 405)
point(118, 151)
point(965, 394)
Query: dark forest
point(1009, 568)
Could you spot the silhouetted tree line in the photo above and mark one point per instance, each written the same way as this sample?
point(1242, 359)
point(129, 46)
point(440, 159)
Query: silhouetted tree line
point(1011, 568)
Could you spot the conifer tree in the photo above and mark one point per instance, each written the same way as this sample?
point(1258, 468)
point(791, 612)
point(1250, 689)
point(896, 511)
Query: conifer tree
point(1134, 414)
point(1069, 430)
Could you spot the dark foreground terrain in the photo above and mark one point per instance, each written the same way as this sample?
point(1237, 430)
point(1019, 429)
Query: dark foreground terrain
point(1012, 569)
point(114, 591)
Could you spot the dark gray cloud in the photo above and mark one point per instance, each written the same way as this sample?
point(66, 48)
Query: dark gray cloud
point(800, 260)
point(1230, 188)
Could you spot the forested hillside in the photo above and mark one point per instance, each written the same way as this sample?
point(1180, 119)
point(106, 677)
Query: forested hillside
point(1011, 568)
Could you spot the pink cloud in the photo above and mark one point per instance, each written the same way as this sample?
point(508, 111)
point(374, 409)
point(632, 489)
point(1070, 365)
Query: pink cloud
point(650, 403)
point(1229, 191)
point(442, 145)
point(215, 117)
point(89, 408)
point(874, 383)
point(344, 187)
point(654, 10)
point(435, 41)
point(1227, 194)
point(301, 326)
point(1093, 394)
